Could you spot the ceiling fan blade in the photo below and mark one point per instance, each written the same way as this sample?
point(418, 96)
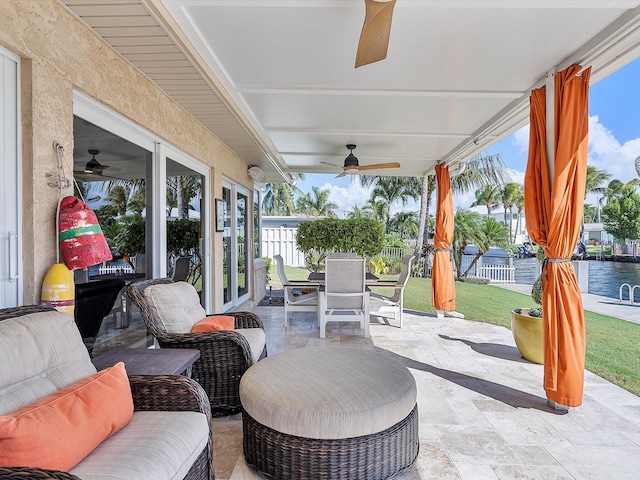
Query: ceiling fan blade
point(330, 164)
point(341, 174)
point(376, 166)
point(374, 39)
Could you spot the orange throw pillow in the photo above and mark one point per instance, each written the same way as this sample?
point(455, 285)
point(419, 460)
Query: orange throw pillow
point(59, 430)
point(213, 323)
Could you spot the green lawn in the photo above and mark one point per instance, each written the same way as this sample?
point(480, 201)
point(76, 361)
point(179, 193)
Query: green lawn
point(613, 345)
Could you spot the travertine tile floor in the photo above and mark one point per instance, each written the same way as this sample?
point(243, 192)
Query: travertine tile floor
point(483, 412)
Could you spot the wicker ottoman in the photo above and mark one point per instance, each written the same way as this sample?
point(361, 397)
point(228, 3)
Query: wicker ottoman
point(329, 413)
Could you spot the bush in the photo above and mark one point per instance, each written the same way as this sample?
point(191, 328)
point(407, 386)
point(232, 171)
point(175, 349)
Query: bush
point(317, 238)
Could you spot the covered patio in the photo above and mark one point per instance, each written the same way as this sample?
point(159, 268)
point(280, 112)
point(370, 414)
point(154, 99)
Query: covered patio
point(483, 411)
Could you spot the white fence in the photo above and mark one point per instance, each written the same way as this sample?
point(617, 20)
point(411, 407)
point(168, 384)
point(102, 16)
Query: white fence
point(282, 241)
point(115, 269)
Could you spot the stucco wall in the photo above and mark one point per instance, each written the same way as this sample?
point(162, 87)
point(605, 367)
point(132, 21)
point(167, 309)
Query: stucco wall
point(59, 54)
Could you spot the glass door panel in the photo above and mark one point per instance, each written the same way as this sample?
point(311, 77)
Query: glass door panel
point(242, 229)
point(226, 249)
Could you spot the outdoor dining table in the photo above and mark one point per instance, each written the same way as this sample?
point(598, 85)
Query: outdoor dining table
point(318, 277)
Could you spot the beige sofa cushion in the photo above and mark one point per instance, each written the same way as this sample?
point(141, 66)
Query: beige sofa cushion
point(40, 354)
point(328, 392)
point(154, 446)
point(256, 339)
point(176, 305)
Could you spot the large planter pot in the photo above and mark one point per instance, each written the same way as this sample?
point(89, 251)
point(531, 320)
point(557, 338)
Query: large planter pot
point(528, 334)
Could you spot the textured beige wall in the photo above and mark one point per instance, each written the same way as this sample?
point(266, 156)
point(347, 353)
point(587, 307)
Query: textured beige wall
point(59, 54)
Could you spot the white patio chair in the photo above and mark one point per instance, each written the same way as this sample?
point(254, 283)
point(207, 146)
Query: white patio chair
point(345, 296)
point(391, 307)
point(294, 300)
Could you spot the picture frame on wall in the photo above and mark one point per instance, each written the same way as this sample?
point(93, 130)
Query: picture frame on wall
point(219, 215)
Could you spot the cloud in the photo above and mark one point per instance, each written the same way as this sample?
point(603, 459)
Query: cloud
point(520, 139)
point(353, 195)
point(607, 153)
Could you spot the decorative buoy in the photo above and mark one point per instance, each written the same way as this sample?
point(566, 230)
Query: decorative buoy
point(58, 289)
point(81, 240)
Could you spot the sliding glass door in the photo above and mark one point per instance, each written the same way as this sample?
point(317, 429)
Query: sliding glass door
point(237, 251)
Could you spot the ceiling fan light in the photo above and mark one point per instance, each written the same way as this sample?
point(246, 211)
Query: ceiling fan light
point(91, 165)
point(351, 161)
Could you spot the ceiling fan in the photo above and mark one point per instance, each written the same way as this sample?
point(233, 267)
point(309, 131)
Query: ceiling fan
point(374, 39)
point(352, 166)
point(94, 167)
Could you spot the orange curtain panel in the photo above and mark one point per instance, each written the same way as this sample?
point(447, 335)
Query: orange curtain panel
point(554, 217)
point(443, 291)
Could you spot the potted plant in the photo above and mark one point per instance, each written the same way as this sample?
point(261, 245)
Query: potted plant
point(526, 324)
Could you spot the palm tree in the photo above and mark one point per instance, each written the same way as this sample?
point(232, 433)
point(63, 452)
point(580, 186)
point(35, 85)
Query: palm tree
point(611, 191)
point(508, 196)
point(390, 190)
point(518, 202)
point(489, 196)
point(278, 199)
point(316, 203)
point(375, 209)
point(466, 231)
point(405, 223)
point(595, 179)
point(491, 234)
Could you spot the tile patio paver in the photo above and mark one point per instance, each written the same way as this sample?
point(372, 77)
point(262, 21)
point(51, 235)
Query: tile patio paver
point(482, 408)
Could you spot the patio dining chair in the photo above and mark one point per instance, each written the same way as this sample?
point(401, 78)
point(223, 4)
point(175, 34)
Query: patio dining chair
point(181, 268)
point(345, 296)
point(392, 306)
point(299, 296)
point(169, 310)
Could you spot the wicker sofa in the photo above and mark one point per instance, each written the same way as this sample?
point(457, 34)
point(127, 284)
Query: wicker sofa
point(41, 355)
point(224, 354)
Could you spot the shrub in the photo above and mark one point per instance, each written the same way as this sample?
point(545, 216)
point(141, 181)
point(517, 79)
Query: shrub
point(317, 238)
point(474, 280)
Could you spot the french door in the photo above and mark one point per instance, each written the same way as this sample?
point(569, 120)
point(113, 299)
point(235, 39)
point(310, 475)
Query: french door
point(237, 245)
point(10, 181)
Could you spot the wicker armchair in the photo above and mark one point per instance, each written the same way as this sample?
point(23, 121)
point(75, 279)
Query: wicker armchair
point(150, 393)
point(224, 355)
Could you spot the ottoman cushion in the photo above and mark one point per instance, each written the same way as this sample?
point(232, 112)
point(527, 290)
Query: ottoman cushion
point(328, 392)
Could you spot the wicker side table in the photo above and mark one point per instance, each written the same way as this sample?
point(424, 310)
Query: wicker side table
point(329, 412)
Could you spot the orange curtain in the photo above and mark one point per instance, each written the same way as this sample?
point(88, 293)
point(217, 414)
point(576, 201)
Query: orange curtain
point(443, 291)
point(554, 217)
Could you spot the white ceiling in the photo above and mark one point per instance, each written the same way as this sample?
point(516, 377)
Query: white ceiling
point(275, 79)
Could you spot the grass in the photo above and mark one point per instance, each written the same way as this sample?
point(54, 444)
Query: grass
point(613, 345)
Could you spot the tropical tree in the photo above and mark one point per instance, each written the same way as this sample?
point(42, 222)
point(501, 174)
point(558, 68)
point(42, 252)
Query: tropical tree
point(405, 224)
point(489, 196)
point(595, 179)
point(508, 196)
point(375, 209)
point(518, 202)
point(390, 190)
point(590, 214)
point(491, 234)
point(316, 203)
point(278, 199)
point(466, 231)
point(621, 216)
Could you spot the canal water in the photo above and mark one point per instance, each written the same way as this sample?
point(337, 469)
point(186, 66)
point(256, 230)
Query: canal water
point(605, 278)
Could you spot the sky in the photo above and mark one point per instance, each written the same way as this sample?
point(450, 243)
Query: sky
point(614, 144)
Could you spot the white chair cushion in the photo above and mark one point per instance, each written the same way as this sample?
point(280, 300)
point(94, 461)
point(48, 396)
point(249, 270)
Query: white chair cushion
point(40, 354)
point(154, 446)
point(176, 305)
point(256, 339)
point(328, 392)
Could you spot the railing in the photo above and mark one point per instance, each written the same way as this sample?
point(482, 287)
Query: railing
point(632, 292)
point(498, 273)
point(105, 269)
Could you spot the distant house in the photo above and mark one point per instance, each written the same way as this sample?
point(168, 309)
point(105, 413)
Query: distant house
point(291, 221)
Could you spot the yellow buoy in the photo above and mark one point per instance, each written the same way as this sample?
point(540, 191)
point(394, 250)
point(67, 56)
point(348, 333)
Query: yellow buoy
point(58, 289)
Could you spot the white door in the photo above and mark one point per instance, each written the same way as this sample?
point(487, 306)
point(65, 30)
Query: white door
point(10, 240)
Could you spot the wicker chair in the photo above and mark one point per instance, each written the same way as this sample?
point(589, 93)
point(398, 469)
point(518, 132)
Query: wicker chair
point(224, 355)
point(150, 393)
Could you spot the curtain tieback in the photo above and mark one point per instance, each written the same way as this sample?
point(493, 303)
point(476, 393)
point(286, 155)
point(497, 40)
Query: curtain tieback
point(443, 249)
point(553, 260)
